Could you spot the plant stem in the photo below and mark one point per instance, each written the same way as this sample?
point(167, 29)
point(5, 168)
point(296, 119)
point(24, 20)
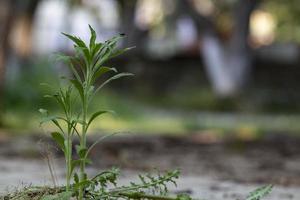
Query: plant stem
point(146, 196)
point(83, 143)
point(69, 157)
point(69, 160)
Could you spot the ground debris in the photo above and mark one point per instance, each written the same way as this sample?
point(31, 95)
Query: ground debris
point(32, 193)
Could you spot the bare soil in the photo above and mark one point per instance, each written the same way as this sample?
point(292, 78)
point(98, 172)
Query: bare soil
point(211, 169)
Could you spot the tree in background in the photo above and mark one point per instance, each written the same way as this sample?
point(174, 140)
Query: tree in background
point(223, 28)
point(226, 54)
point(226, 60)
point(16, 17)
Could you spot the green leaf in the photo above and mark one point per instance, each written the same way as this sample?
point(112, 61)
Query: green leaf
point(77, 148)
point(120, 52)
point(48, 119)
point(76, 178)
point(74, 164)
point(120, 75)
point(88, 161)
point(59, 98)
point(183, 197)
point(59, 196)
point(79, 42)
point(107, 50)
point(113, 41)
point(82, 152)
point(97, 114)
point(93, 37)
point(59, 139)
point(97, 47)
point(53, 119)
point(98, 141)
point(103, 55)
point(62, 57)
point(103, 70)
point(83, 183)
point(79, 87)
point(85, 53)
point(260, 193)
point(68, 61)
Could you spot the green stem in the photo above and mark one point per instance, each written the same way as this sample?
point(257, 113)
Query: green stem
point(83, 144)
point(69, 165)
point(146, 196)
point(69, 158)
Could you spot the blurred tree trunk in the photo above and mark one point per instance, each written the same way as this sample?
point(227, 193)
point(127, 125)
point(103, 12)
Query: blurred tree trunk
point(16, 17)
point(6, 21)
point(228, 66)
point(22, 30)
point(134, 35)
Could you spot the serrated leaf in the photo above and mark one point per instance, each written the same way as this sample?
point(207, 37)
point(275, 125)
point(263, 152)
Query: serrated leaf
point(260, 193)
point(83, 183)
point(183, 197)
point(59, 196)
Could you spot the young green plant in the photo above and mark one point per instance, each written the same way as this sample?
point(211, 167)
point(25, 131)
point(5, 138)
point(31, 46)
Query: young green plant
point(87, 66)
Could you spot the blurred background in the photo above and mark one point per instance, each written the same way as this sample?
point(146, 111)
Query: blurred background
point(199, 64)
point(215, 91)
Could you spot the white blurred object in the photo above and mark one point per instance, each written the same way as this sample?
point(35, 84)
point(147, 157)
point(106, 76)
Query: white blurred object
point(149, 13)
point(56, 16)
point(186, 32)
point(262, 27)
point(47, 26)
point(107, 11)
point(81, 17)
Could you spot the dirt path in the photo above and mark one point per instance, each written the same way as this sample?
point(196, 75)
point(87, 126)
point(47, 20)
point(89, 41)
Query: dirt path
point(214, 171)
point(20, 172)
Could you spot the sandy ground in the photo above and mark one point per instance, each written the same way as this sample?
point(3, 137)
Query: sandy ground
point(19, 172)
point(211, 171)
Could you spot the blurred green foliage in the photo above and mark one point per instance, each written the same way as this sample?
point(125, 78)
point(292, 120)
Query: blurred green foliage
point(23, 89)
point(287, 18)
